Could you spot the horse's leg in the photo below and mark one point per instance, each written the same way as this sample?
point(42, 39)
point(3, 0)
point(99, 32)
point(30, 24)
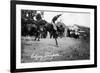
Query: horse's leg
point(61, 35)
point(56, 41)
point(55, 37)
point(39, 35)
point(51, 34)
point(36, 36)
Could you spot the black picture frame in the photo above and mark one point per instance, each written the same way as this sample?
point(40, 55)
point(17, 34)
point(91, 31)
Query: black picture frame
point(13, 35)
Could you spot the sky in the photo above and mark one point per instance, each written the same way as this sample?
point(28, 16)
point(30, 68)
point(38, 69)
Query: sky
point(69, 18)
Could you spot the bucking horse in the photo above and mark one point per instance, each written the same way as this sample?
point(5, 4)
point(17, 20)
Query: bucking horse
point(39, 27)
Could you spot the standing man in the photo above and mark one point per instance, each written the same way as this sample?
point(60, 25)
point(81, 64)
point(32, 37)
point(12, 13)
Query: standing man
point(55, 28)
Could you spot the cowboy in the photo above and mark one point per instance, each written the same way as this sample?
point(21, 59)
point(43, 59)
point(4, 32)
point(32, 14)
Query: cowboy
point(54, 19)
point(55, 28)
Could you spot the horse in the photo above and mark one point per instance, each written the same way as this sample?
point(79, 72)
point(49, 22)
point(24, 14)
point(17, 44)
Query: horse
point(38, 28)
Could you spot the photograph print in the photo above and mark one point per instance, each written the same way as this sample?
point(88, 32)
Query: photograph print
point(54, 36)
point(48, 36)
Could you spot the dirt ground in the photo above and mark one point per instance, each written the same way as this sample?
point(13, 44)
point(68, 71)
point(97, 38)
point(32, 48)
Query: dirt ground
point(46, 50)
